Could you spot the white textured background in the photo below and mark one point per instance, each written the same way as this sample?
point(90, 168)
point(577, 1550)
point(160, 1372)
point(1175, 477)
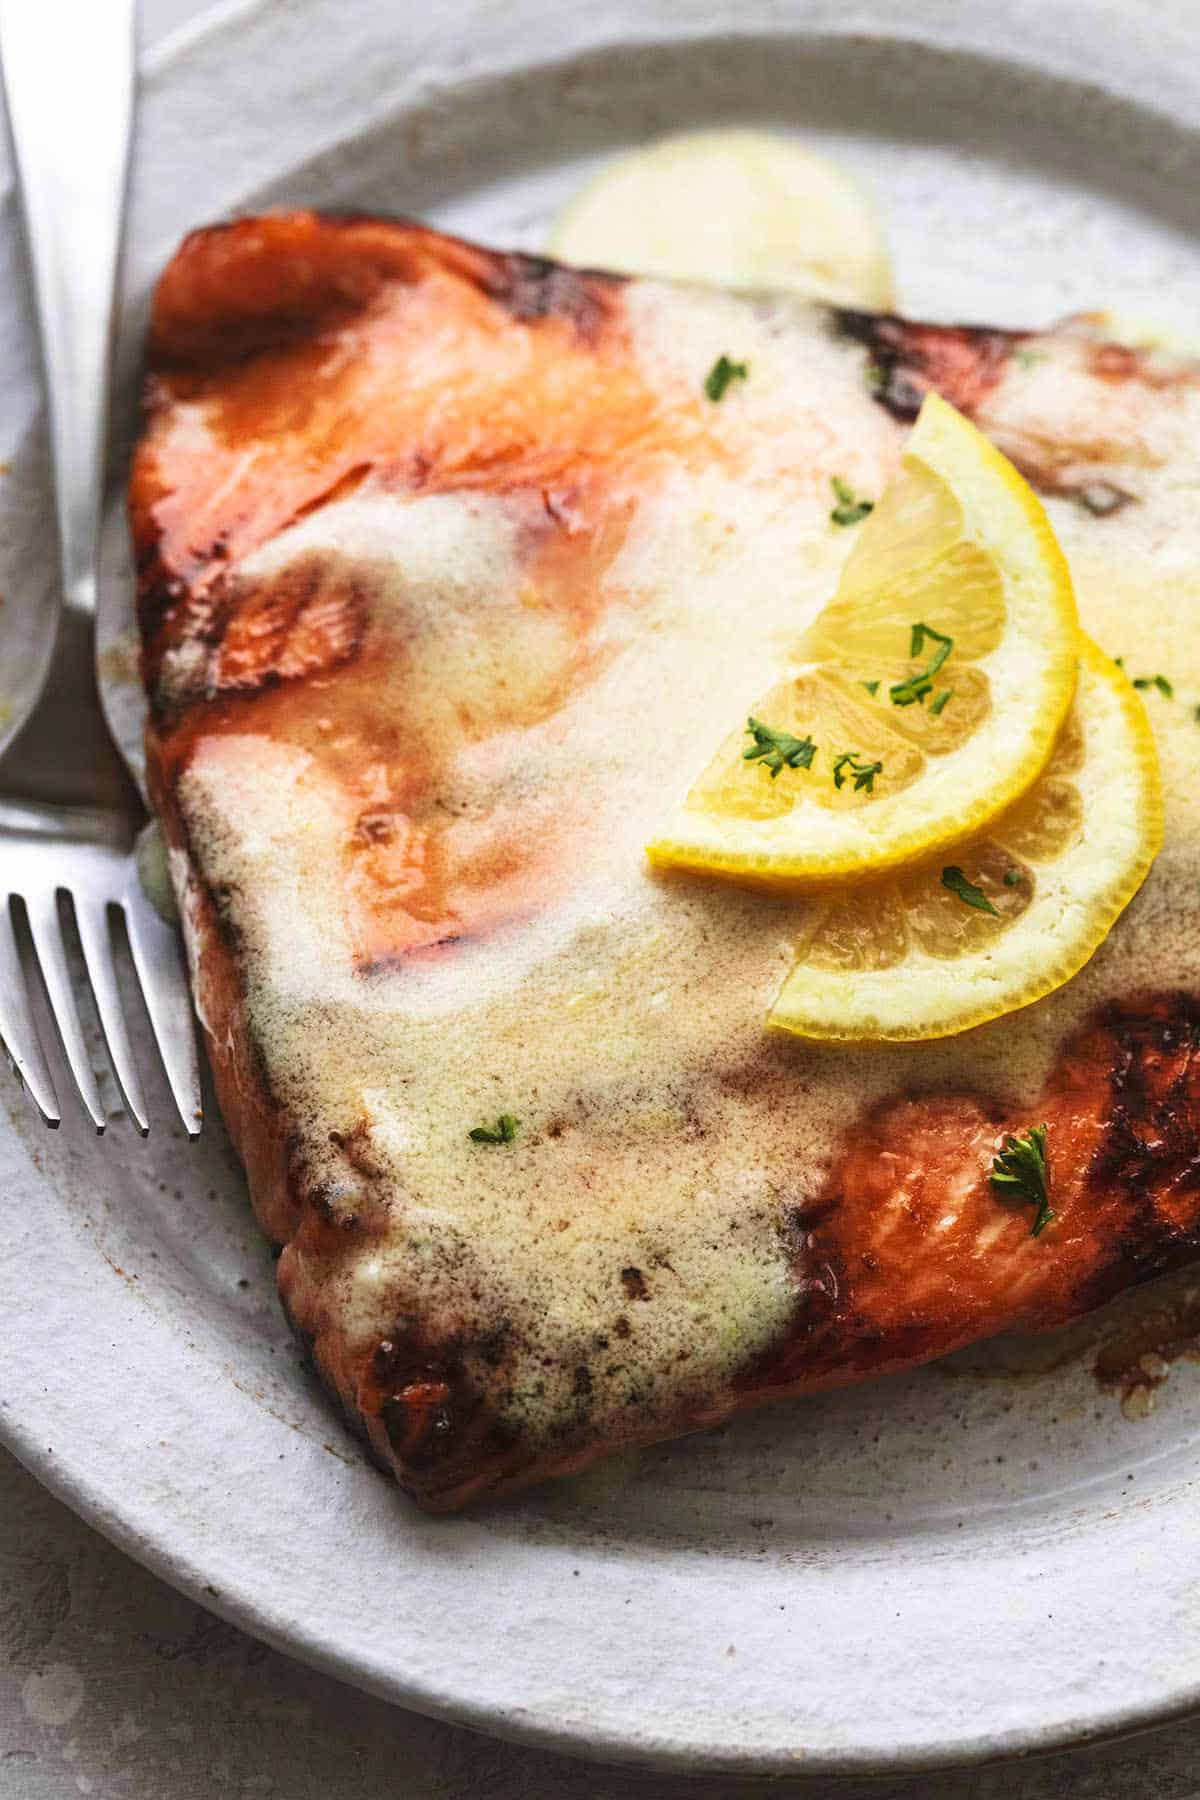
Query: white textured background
point(114, 1686)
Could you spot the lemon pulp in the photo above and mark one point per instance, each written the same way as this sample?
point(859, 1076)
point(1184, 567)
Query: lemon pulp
point(1006, 916)
point(926, 695)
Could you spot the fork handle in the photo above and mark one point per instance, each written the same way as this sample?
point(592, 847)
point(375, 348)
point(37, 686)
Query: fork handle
point(68, 82)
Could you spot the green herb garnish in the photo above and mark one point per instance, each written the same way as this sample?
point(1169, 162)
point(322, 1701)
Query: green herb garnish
point(848, 765)
point(1020, 1172)
point(872, 687)
point(916, 643)
point(915, 687)
point(850, 509)
point(502, 1132)
point(970, 895)
point(721, 374)
point(1013, 878)
point(904, 693)
point(778, 749)
point(939, 701)
point(1142, 682)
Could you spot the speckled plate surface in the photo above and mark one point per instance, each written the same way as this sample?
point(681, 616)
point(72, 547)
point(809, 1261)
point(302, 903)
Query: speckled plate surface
point(984, 1557)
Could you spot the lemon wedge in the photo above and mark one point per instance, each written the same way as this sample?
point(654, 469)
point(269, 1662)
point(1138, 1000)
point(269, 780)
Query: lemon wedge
point(743, 208)
point(1006, 917)
point(921, 702)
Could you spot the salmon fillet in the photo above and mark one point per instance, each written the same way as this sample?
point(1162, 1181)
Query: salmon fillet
point(450, 577)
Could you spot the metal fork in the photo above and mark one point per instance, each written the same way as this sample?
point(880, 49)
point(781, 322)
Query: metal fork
point(69, 812)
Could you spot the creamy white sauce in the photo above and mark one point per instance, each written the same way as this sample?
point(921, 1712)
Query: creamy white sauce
point(661, 1130)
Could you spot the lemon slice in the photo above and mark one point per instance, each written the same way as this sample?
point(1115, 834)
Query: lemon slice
point(742, 208)
point(1006, 917)
point(922, 701)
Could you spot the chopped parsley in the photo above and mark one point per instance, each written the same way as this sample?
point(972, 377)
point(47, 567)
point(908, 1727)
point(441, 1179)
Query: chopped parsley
point(915, 687)
point(502, 1132)
point(1013, 878)
point(851, 509)
point(970, 895)
point(872, 687)
point(1020, 1172)
point(848, 765)
point(1142, 682)
point(1160, 682)
point(721, 374)
point(939, 701)
point(778, 749)
point(916, 643)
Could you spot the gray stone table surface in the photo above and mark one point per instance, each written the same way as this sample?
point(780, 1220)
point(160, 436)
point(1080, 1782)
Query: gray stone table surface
point(114, 1686)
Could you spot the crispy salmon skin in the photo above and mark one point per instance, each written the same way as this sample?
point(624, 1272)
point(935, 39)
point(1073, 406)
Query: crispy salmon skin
point(450, 575)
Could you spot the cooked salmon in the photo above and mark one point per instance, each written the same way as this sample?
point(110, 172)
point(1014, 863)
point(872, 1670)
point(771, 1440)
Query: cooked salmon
point(451, 575)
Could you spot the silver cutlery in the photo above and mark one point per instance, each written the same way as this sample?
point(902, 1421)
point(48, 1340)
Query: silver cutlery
point(69, 812)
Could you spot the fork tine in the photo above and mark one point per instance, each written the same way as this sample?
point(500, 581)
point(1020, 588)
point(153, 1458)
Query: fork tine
point(42, 911)
point(158, 959)
point(16, 1024)
point(91, 918)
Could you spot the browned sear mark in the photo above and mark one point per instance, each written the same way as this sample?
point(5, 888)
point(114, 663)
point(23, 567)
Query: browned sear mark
point(962, 363)
point(634, 1283)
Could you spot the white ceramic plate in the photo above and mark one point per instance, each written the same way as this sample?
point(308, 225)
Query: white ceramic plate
point(949, 1566)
